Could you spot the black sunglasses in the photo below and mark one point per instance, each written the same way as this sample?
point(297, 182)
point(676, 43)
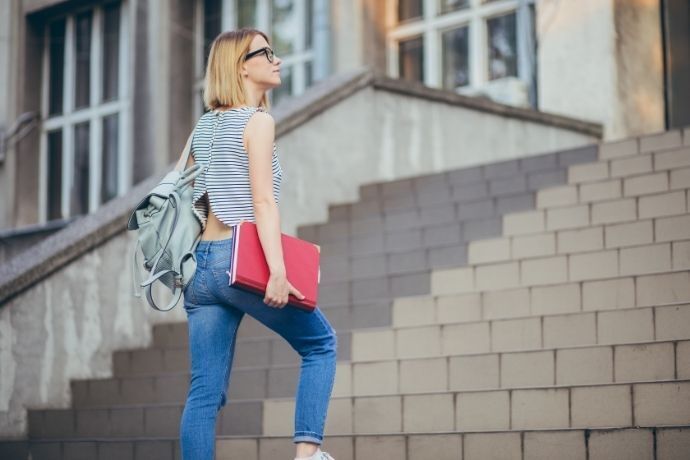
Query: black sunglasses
point(266, 50)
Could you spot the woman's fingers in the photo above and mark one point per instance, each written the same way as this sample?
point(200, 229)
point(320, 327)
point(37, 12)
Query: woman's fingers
point(296, 293)
point(274, 302)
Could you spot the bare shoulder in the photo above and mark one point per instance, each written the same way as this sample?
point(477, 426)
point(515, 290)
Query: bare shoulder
point(260, 120)
point(260, 128)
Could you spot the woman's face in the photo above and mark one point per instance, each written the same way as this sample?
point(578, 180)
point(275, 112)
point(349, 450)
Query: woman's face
point(258, 69)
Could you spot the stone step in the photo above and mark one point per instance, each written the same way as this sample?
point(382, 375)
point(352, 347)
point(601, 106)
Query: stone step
point(583, 175)
point(618, 225)
point(520, 260)
point(577, 406)
point(656, 443)
point(591, 188)
point(668, 159)
point(586, 183)
point(261, 351)
point(611, 327)
point(664, 360)
point(643, 144)
point(510, 177)
point(585, 406)
point(669, 230)
point(342, 317)
point(569, 217)
point(586, 296)
point(588, 266)
point(647, 196)
point(170, 340)
point(613, 231)
point(169, 350)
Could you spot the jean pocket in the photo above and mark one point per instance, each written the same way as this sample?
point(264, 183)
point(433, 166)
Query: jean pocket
point(219, 259)
point(221, 276)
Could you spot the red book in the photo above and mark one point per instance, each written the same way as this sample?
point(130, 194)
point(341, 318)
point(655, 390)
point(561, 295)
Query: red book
point(249, 270)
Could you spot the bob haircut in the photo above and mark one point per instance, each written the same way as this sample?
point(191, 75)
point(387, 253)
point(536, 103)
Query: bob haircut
point(223, 85)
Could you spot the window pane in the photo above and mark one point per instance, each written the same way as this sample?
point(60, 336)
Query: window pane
point(446, 6)
point(502, 46)
point(109, 163)
point(54, 188)
point(309, 39)
point(411, 54)
point(285, 27)
point(83, 57)
point(246, 13)
point(111, 51)
point(79, 196)
point(212, 25)
point(309, 74)
point(285, 88)
point(410, 9)
point(455, 58)
point(57, 66)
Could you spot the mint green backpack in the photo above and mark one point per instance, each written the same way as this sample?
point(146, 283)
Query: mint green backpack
point(168, 232)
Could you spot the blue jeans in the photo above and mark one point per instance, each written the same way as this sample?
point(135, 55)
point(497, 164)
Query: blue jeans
point(214, 311)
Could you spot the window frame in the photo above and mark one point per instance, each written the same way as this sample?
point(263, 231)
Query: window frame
point(94, 114)
point(431, 27)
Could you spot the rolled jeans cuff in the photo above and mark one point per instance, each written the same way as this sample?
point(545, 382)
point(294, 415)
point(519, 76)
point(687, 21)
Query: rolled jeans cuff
point(307, 436)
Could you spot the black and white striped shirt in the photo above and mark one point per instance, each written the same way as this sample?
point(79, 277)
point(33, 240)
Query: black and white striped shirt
point(217, 145)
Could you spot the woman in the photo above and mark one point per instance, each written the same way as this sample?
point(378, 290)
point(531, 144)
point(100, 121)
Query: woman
point(234, 141)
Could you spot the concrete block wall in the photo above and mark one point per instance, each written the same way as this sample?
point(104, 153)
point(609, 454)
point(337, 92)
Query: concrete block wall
point(561, 321)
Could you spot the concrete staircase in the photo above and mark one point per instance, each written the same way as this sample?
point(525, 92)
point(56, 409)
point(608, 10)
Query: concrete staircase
point(531, 309)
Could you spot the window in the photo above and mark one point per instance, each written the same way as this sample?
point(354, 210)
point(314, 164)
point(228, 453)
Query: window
point(412, 59)
point(292, 27)
point(446, 6)
point(456, 58)
point(410, 9)
point(502, 44)
point(466, 46)
point(84, 101)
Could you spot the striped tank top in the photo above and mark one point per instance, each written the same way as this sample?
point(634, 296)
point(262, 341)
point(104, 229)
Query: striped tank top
point(218, 146)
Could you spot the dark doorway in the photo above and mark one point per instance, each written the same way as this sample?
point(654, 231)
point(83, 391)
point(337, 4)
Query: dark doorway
point(675, 23)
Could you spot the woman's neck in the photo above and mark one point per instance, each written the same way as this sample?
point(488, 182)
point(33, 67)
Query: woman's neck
point(253, 95)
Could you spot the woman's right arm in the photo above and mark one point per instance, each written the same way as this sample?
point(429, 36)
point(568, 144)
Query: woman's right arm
point(260, 135)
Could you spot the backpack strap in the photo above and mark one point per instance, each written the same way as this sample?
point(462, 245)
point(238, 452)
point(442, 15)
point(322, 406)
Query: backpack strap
point(176, 298)
point(182, 164)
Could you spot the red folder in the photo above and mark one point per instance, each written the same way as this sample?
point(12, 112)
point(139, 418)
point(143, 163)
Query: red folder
point(249, 270)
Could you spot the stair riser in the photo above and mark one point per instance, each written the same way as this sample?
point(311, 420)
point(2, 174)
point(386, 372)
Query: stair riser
point(672, 229)
point(621, 405)
point(589, 296)
point(558, 299)
point(586, 182)
point(248, 352)
point(235, 418)
point(573, 366)
point(575, 407)
point(471, 336)
point(583, 329)
point(617, 444)
point(442, 193)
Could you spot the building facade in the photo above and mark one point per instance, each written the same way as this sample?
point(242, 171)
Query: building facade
point(98, 95)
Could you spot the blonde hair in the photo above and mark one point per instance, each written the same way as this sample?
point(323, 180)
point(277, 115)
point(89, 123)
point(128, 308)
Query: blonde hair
point(223, 86)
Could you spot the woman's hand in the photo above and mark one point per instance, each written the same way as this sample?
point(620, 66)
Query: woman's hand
point(278, 289)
